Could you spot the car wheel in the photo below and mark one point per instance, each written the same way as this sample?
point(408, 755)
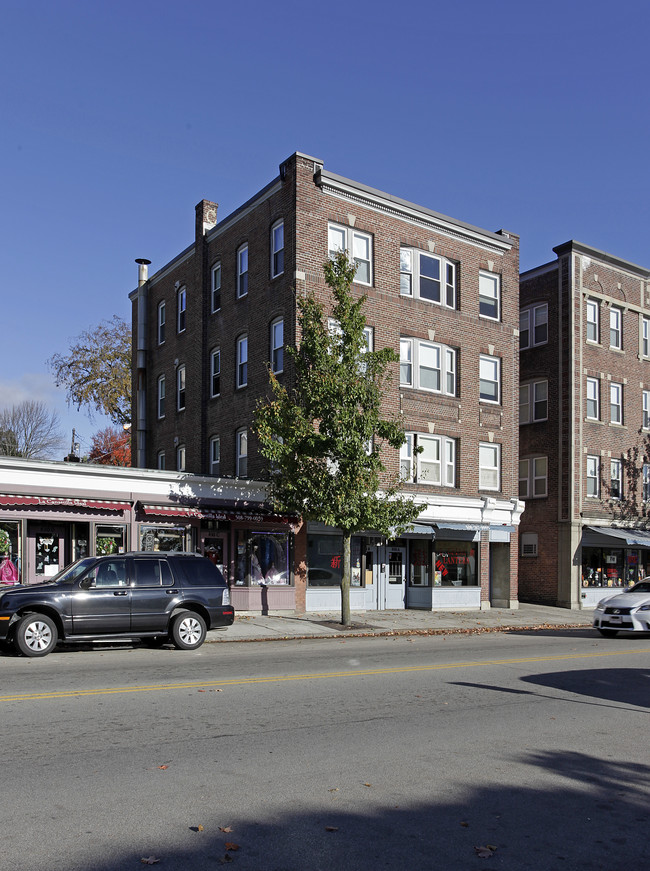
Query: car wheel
point(36, 635)
point(188, 631)
point(608, 633)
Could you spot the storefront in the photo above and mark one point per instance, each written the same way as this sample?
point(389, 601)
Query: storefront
point(612, 558)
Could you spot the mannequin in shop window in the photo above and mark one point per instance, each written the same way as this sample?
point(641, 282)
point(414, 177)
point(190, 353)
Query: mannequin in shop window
point(8, 571)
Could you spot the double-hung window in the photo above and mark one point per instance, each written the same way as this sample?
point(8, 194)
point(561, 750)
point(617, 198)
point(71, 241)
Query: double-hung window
point(616, 403)
point(181, 310)
point(616, 328)
point(592, 321)
point(489, 295)
point(215, 372)
point(357, 244)
point(242, 361)
point(645, 337)
point(277, 249)
point(241, 448)
point(180, 388)
point(161, 462)
point(428, 366)
point(428, 459)
point(646, 482)
point(592, 476)
point(533, 478)
point(242, 271)
point(161, 396)
point(161, 322)
point(616, 485)
point(593, 397)
point(277, 345)
point(427, 276)
point(646, 409)
point(533, 326)
point(490, 379)
point(180, 458)
point(489, 463)
point(215, 455)
point(533, 402)
point(215, 287)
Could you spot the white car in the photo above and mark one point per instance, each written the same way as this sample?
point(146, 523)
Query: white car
point(628, 611)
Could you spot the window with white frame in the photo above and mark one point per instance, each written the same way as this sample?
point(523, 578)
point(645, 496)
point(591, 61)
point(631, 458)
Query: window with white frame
point(490, 379)
point(161, 396)
point(215, 372)
point(615, 328)
point(427, 276)
point(616, 485)
point(277, 249)
point(592, 476)
point(645, 337)
point(428, 366)
point(489, 463)
point(593, 398)
point(616, 402)
point(161, 461)
point(161, 322)
point(592, 320)
point(357, 244)
point(241, 445)
point(180, 388)
point(646, 409)
point(428, 459)
point(277, 345)
point(533, 326)
point(242, 271)
point(180, 458)
point(646, 482)
point(533, 478)
point(215, 287)
point(489, 295)
point(242, 361)
point(181, 310)
point(215, 455)
point(533, 402)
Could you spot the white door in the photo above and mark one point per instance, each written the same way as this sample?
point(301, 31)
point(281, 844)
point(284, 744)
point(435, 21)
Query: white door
point(391, 578)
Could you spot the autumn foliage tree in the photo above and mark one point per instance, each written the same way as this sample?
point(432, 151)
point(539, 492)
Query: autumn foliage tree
point(111, 447)
point(29, 429)
point(97, 371)
point(324, 438)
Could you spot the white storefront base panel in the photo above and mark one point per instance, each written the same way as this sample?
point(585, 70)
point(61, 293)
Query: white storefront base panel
point(441, 598)
point(329, 599)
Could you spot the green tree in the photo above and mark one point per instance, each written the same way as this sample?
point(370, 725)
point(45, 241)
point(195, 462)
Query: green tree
point(97, 371)
point(324, 437)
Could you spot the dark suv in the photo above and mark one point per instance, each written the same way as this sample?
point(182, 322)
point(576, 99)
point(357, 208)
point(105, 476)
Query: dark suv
point(154, 596)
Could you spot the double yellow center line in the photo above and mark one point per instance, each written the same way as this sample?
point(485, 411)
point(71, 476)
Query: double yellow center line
point(243, 681)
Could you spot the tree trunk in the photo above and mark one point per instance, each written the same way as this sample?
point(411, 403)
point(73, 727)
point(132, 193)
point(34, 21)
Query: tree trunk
point(345, 581)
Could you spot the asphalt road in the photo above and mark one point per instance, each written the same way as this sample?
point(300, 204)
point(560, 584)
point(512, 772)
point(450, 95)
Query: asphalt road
point(354, 754)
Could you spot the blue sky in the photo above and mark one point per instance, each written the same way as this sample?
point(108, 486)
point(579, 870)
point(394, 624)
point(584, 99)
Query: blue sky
point(119, 117)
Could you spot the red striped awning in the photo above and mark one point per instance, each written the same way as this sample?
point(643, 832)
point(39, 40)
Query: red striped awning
point(61, 502)
point(252, 514)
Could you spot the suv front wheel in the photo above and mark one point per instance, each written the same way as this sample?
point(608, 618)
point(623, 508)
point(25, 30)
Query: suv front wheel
point(188, 630)
point(35, 635)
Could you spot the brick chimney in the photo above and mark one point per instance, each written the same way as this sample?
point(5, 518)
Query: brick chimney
point(206, 218)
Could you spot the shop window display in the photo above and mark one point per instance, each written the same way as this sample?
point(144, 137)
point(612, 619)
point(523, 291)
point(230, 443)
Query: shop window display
point(420, 563)
point(9, 554)
point(262, 559)
point(612, 567)
point(455, 564)
point(109, 540)
point(163, 538)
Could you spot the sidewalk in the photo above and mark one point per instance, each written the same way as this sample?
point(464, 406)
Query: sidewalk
point(327, 624)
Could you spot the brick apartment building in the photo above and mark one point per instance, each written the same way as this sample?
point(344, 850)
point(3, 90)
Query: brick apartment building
point(442, 293)
point(585, 418)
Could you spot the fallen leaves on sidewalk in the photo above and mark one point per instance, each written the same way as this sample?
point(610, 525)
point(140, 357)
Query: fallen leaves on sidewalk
point(149, 860)
point(485, 852)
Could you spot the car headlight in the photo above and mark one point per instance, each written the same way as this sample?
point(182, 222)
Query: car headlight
point(644, 607)
point(601, 605)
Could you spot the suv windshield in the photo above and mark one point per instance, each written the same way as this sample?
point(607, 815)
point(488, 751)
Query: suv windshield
point(71, 572)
